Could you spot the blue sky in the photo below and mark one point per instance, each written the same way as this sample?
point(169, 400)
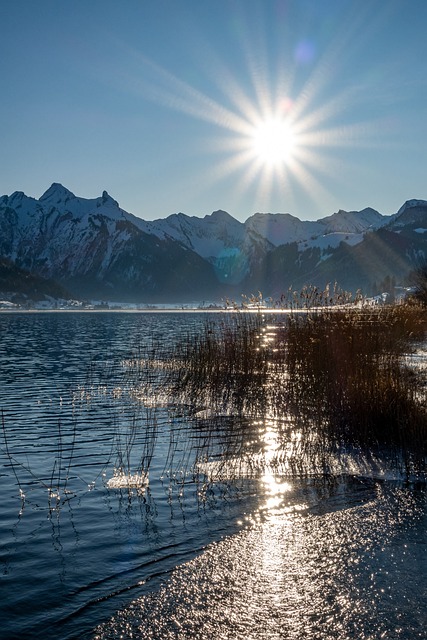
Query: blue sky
point(165, 103)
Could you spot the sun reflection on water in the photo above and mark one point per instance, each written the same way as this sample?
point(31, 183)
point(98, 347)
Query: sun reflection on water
point(342, 573)
point(274, 488)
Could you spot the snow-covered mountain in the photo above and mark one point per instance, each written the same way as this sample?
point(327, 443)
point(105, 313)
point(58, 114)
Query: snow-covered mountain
point(282, 228)
point(53, 233)
point(208, 236)
point(411, 213)
point(326, 233)
point(229, 245)
point(212, 235)
point(95, 248)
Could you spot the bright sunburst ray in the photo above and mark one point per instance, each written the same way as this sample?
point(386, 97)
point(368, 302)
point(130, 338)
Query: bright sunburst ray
point(276, 140)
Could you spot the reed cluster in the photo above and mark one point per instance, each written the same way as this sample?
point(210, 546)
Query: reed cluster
point(224, 366)
point(348, 371)
point(342, 373)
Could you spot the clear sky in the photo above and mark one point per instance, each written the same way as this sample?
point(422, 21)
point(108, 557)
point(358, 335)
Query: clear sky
point(298, 106)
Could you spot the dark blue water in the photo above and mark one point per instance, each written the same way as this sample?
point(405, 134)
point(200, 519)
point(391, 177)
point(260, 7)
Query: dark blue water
point(250, 556)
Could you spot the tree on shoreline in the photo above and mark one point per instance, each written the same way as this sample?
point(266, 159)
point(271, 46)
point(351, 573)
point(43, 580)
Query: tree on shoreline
point(420, 282)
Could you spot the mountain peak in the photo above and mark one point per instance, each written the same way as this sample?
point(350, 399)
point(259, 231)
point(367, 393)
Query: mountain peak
point(411, 204)
point(97, 248)
point(17, 196)
point(107, 199)
point(353, 221)
point(56, 194)
point(413, 212)
point(219, 215)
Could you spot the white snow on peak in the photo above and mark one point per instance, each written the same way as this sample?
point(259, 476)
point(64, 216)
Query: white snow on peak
point(219, 216)
point(56, 194)
point(216, 237)
point(347, 226)
point(17, 197)
point(410, 204)
point(209, 236)
point(108, 200)
point(353, 221)
point(26, 208)
point(282, 228)
point(64, 201)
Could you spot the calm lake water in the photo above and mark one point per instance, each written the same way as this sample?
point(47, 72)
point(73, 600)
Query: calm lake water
point(192, 555)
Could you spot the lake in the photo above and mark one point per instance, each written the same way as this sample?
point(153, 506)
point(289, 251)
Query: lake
point(206, 549)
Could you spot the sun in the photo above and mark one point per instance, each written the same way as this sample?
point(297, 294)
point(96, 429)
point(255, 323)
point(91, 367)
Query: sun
point(273, 142)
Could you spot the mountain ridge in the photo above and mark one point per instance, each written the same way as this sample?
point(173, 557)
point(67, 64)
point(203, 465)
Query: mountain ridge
point(93, 247)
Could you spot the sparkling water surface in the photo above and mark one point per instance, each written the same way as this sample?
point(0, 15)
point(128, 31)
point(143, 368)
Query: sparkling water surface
point(258, 556)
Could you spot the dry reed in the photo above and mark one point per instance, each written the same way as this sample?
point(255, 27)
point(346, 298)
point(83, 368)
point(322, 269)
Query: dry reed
point(339, 371)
